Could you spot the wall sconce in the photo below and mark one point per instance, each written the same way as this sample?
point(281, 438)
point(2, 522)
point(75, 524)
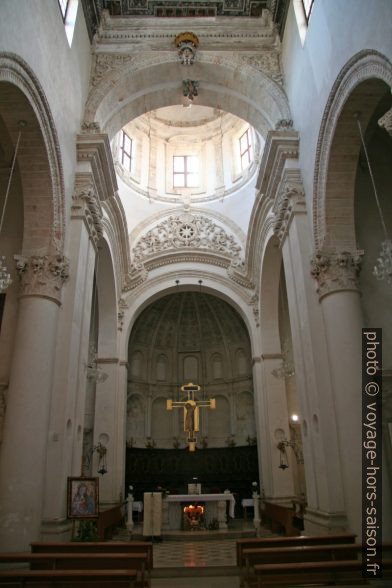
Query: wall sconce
point(102, 465)
point(295, 446)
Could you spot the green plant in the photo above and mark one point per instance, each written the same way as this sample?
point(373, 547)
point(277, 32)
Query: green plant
point(87, 531)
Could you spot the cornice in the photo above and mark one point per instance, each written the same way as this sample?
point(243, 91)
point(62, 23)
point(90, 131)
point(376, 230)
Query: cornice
point(94, 147)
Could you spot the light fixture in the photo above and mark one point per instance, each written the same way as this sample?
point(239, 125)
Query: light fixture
point(5, 277)
point(383, 268)
point(102, 465)
point(296, 446)
point(294, 418)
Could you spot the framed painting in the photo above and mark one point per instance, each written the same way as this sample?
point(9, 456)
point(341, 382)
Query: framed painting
point(82, 498)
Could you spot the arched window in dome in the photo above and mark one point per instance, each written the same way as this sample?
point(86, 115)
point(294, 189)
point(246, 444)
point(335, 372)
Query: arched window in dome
point(126, 151)
point(246, 149)
point(242, 368)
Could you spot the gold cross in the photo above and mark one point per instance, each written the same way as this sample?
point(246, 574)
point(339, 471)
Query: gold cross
point(191, 410)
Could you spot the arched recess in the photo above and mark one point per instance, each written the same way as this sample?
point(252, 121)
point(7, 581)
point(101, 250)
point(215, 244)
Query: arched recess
point(107, 302)
point(22, 99)
point(34, 214)
point(358, 88)
point(235, 87)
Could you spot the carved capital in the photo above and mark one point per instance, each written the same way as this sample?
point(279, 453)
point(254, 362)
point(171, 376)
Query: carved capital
point(86, 204)
point(336, 271)
point(42, 275)
point(290, 199)
point(386, 121)
point(88, 127)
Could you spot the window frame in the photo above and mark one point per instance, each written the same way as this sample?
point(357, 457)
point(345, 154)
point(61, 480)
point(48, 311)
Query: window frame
point(249, 149)
point(125, 154)
point(186, 173)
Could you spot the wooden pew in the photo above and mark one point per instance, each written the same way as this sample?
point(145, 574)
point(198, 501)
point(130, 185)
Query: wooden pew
point(303, 553)
point(84, 578)
point(83, 561)
point(280, 516)
point(96, 547)
point(291, 541)
point(327, 572)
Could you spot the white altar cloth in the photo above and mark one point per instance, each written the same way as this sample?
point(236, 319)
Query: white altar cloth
point(189, 498)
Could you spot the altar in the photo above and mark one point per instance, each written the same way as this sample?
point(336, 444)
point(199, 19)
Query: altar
point(215, 508)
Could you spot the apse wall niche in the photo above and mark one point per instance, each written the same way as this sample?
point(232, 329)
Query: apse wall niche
point(183, 337)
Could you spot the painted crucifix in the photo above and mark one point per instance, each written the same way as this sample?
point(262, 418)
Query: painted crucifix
point(191, 410)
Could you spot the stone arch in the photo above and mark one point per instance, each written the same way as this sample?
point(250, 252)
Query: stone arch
point(358, 87)
point(107, 305)
point(39, 158)
point(230, 85)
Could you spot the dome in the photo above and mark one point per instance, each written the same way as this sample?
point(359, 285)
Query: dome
point(193, 154)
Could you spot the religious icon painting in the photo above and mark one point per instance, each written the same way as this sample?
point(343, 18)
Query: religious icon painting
point(82, 498)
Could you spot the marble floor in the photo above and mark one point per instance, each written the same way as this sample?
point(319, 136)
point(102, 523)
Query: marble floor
point(194, 554)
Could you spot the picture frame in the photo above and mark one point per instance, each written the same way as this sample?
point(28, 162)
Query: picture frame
point(82, 498)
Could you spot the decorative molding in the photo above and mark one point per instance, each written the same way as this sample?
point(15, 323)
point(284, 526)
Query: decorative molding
point(90, 127)
point(254, 302)
point(289, 200)
point(122, 307)
point(184, 237)
point(385, 121)
point(85, 202)
point(336, 271)
point(363, 66)
point(14, 70)
point(42, 275)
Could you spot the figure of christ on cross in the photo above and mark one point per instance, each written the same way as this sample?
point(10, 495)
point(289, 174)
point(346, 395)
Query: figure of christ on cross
point(191, 411)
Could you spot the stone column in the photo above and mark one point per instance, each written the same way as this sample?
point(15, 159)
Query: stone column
point(67, 411)
point(110, 427)
point(326, 510)
point(273, 419)
point(26, 426)
point(336, 275)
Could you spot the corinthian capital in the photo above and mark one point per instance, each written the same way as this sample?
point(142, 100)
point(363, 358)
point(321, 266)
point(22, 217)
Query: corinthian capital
point(42, 275)
point(337, 270)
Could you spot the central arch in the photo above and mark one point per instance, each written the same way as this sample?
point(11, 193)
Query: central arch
point(133, 88)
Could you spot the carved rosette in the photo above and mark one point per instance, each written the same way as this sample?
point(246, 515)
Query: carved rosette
point(42, 275)
point(85, 202)
point(386, 121)
point(290, 199)
point(336, 271)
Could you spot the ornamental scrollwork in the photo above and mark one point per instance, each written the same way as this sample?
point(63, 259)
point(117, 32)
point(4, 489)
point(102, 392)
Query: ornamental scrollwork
point(187, 231)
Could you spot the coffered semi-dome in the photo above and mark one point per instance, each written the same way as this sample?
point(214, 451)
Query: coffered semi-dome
point(191, 154)
point(190, 337)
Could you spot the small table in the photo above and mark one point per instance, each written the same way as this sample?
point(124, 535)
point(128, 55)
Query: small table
point(215, 507)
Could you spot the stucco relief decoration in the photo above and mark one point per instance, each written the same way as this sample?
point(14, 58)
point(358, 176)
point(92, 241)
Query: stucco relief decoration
point(266, 62)
point(106, 63)
point(287, 199)
point(88, 128)
point(93, 210)
point(42, 275)
point(187, 231)
point(336, 271)
point(186, 44)
point(190, 89)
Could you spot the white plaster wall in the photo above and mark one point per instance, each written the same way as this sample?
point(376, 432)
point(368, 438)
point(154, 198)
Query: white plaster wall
point(338, 29)
point(35, 31)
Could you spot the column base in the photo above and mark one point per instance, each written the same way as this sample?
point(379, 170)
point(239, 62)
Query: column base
point(317, 522)
point(56, 530)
